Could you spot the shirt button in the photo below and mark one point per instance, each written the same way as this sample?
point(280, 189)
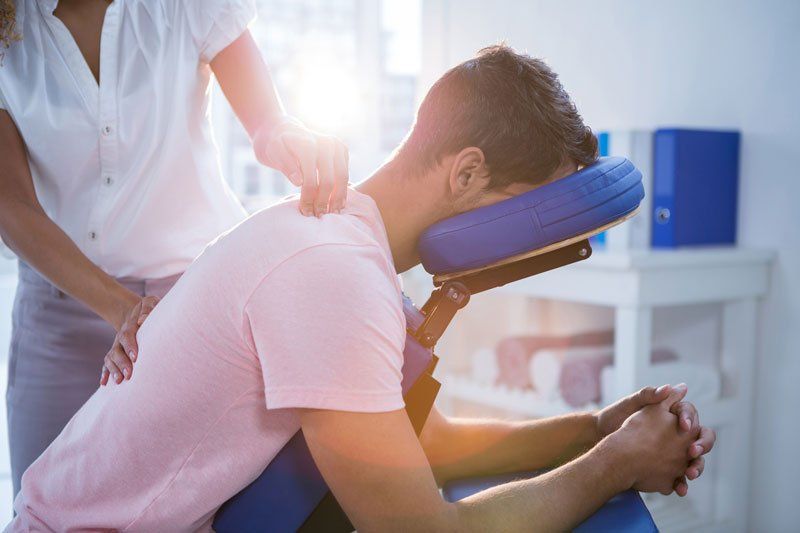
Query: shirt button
point(108, 180)
point(107, 130)
point(93, 235)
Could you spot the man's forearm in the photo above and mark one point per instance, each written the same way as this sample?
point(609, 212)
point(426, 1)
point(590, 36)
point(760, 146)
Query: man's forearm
point(379, 473)
point(458, 448)
point(555, 501)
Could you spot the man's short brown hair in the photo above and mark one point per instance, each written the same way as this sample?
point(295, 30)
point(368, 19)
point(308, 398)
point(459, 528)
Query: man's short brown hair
point(511, 106)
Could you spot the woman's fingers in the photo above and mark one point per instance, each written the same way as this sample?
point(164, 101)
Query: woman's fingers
point(341, 170)
point(303, 146)
point(115, 374)
point(126, 337)
point(148, 304)
point(318, 164)
point(325, 169)
point(123, 363)
point(127, 334)
point(118, 363)
point(278, 156)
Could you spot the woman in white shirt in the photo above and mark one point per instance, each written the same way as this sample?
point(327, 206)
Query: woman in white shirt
point(110, 182)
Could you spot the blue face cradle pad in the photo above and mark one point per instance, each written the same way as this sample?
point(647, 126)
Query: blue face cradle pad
point(594, 196)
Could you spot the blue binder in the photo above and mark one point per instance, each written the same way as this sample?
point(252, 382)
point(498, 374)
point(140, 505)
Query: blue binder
point(695, 187)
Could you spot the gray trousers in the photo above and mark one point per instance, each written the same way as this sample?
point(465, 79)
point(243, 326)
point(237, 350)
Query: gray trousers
point(57, 350)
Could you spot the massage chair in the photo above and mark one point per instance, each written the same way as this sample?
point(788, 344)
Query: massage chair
point(523, 236)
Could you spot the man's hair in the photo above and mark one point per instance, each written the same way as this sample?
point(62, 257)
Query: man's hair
point(511, 106)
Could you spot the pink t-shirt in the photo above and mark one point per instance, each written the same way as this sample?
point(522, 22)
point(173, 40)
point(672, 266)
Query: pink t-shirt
point(281, 312)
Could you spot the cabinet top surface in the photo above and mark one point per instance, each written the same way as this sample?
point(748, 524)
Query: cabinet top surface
point(679, 258)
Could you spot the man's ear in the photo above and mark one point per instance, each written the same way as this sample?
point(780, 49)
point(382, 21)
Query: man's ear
point(469, 174)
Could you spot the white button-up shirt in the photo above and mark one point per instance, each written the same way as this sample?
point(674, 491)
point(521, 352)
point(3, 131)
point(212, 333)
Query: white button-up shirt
point(127, 168)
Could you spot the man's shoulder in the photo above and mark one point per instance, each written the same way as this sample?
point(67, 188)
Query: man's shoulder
point(341, 245)
point(282, 229)
point(353, 275)
point(347, 261)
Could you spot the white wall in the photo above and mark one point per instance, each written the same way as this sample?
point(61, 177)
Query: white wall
point(726, 64)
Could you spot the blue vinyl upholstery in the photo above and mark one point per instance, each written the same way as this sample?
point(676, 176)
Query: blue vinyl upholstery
point(583, 201)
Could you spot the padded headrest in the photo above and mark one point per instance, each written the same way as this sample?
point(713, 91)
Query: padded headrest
point(579, 203)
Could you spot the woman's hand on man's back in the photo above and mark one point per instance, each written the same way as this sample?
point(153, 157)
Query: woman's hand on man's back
point(315, 162)
point(118, 362)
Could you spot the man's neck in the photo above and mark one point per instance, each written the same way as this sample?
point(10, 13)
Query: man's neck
point(405, 209)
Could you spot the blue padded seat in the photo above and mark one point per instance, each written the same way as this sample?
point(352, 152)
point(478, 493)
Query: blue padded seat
point(579, 203)
point(624, 513)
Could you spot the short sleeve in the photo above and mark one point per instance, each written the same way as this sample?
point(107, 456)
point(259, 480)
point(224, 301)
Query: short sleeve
point(3, 104)
point(329, 331)
point(214, 24)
